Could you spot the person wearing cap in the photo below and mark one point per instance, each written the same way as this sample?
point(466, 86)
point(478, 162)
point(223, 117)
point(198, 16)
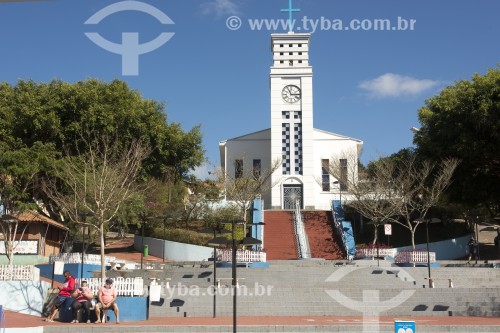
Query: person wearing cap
point(107, 298)
point(64, 292)
point(82, 297)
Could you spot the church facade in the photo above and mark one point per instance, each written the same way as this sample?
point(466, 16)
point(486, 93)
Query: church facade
point(302, 151)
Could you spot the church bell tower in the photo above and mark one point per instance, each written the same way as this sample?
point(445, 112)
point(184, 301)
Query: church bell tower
point(292, 121)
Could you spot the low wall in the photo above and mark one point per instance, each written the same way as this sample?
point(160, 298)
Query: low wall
point(26, 297)
point(450, 249)
point(131, 309)
point(173, 250)
point(24, 259)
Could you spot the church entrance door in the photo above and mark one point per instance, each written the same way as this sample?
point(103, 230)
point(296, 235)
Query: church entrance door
point(292, 193)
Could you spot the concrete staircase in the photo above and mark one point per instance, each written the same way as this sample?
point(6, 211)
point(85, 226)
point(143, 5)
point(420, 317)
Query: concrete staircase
point(322, 239)
point(321, 288)
point(279, 236)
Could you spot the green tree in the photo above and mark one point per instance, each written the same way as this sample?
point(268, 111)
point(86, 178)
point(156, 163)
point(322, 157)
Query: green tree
point(60, 118)
point(19, 171)
point(463, 122)
point(59, 113)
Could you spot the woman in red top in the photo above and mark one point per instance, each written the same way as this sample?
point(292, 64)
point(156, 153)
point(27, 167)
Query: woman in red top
point(64, 292)
point(82, 296)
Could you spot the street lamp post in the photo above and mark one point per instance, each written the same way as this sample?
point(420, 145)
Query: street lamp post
point(378, 246)
point(428, 252)
point(247, 241)
point(233, 268)
point(427, 221)
point(477, 238)
point(84, 228)
point(142, 241)
point(340, 190)
point(165, 235)
point(215, 243)
point(144, 219)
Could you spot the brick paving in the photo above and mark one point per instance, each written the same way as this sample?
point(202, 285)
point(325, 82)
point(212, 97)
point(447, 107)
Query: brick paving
point(15, 319)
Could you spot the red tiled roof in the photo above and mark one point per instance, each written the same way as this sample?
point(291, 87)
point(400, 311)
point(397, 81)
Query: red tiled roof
point(34, 216)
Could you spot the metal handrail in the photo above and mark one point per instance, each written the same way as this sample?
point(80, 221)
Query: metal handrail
point(300, 232)
point(340, 231)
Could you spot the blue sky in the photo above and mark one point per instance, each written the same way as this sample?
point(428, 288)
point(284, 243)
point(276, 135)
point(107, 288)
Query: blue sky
point(367, 84)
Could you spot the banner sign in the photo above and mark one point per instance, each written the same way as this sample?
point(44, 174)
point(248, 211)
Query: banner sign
point(24, 247)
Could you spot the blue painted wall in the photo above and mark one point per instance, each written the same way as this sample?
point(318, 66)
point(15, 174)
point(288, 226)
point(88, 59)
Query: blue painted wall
point(131, 309)
point(75, 269)
point(257, 218)
point(446, 250)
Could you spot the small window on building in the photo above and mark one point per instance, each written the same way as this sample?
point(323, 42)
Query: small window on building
point(281, 53)
point(282, 62)
point(300, 53)
point(281, 45)
point(238, 168)
point(290, 45)
point(300, 61)
point(290, 53)
point(290, 63)
point(257, 167)
point(325, 175)
point(300, 45)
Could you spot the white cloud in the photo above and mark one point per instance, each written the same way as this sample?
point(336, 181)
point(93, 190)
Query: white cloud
point(220, 8)
point(395, 85)
point(203, 171)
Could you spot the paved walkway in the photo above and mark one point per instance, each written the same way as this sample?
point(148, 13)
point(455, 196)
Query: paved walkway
point(123, 248)
point(15, 319)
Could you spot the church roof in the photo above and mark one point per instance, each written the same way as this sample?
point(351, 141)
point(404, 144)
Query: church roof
point(262, 135)
point(266, 135)
point(335, 136)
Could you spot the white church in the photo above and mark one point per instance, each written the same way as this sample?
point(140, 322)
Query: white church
point(303, 151)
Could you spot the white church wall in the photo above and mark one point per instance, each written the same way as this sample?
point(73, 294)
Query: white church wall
point(331, 149)
point(247, 150)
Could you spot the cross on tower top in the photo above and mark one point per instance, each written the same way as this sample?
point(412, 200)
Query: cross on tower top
point(290, 11)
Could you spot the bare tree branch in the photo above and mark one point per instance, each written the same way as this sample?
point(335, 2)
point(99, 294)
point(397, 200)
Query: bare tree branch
point(97, 182)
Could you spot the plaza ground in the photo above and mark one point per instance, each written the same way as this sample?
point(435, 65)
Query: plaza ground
point(123, 249)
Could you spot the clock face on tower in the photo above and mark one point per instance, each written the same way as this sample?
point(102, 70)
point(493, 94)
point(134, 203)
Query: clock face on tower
point(291, 94)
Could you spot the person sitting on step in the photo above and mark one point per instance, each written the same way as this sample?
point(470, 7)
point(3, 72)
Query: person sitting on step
point(107, 297)
point(64, 292)
point(83, 296)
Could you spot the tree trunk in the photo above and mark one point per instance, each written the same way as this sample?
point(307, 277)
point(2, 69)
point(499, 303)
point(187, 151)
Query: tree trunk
point(375, 234)
point(413, 237)
point(9, 251)
point(103, 261)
